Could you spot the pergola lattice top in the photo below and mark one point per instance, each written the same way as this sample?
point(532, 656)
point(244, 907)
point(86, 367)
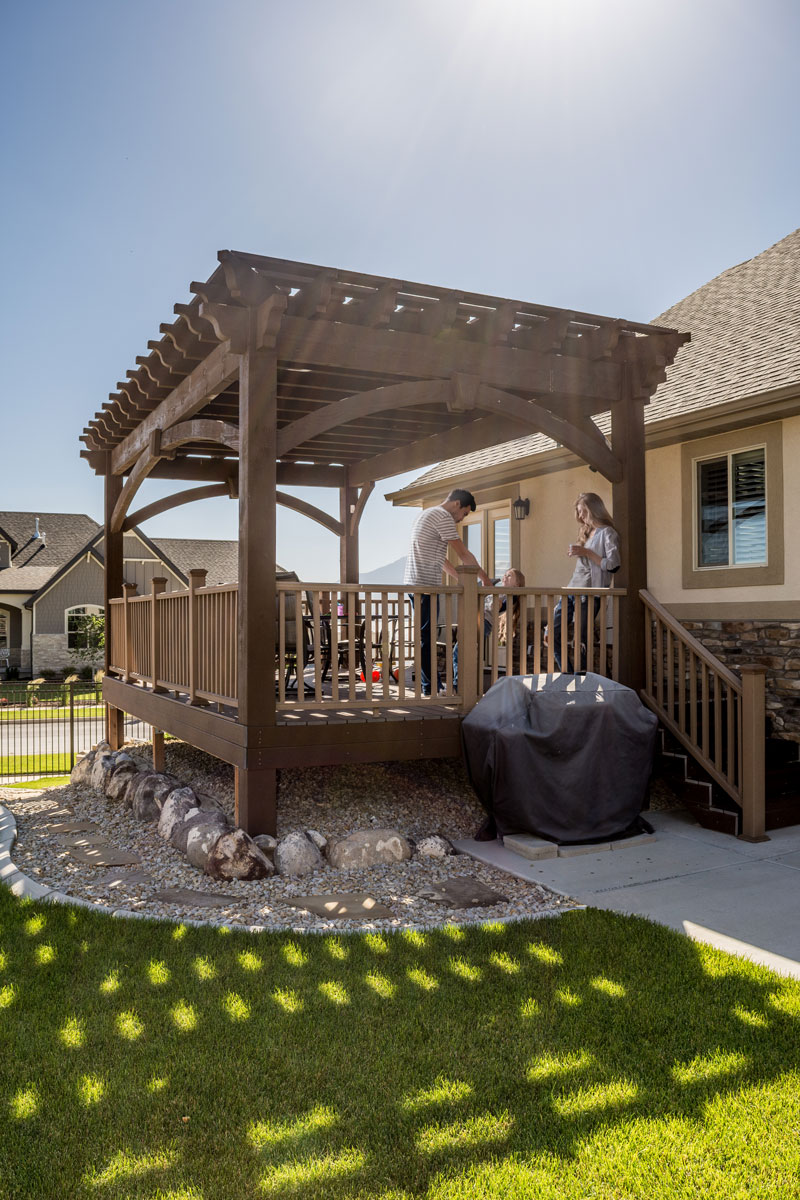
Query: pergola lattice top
point(456, 370)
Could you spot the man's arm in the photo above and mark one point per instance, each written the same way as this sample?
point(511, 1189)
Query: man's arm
point(468, 559)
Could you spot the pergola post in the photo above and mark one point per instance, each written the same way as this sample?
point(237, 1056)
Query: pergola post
point(628, 498)
point(348, 542)
point(256, 783)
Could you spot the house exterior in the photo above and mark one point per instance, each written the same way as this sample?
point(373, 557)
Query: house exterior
point(51, 574)
point(722, 495)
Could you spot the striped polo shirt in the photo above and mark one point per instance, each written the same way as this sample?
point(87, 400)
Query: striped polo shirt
point(433, 529)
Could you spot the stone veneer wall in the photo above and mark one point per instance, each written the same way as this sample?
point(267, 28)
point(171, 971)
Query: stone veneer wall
point(50, 653)
point(774, 644)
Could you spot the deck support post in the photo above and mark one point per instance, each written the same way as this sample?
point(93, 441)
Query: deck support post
point(753, 752)
point(256, 786)
point(628, 499)
point(159, 758)
point(112, 581)
point(468, 638)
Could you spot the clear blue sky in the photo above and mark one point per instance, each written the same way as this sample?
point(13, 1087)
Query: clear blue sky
point(610, 157)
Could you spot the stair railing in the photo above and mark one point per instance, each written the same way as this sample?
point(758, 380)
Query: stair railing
point(716, 714)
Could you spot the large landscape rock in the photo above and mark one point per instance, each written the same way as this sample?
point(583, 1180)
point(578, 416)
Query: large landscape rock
point(120, 783)
point(296, 854)
point(148, 795)
point(179, 838)
point(200, 840)
point(101, 770)
point(177, 807)
point(82, 771)
point(368, 848)
point(236, 856)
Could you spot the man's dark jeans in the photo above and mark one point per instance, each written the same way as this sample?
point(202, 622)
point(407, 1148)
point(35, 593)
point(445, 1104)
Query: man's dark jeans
point(428, 626)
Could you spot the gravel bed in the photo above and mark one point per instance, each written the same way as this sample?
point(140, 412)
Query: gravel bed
point(417, 798)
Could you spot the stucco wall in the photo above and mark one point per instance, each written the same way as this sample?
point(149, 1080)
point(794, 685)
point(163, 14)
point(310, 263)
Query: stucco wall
point(550, 527)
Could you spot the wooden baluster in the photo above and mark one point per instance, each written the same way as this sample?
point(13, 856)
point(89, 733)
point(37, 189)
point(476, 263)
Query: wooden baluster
point(467, 643)
point(128, 592)
point(197, 579)
point(158, 586)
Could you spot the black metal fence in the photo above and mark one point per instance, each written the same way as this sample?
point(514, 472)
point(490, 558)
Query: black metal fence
point(46, 726)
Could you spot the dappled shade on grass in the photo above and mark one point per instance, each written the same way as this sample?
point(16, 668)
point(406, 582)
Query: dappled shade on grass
point(561, 1057)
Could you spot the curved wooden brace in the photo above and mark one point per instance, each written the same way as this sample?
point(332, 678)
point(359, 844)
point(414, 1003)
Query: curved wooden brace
point(363, 497)
point(361, 404)
point(590, 446)
point(168, 502)
point(161, 446)
point(201, 430)
point(308, 510)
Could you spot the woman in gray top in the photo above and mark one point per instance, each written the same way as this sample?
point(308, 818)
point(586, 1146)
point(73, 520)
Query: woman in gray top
point(597, 552)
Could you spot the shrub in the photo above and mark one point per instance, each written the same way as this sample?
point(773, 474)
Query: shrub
point(48, 673)
point(12, 672)
point(85, 672)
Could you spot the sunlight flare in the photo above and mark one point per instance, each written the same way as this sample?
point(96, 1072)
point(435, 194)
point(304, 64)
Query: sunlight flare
point(184, 1016)
point(24, 1104)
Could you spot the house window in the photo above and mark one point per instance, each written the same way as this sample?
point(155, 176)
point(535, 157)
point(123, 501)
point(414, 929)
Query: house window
point(732, 510)
point(3, 631)
point(76, 634)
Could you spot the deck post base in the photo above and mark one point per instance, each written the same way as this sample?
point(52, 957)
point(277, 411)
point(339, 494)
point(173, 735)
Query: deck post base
point(256, 795)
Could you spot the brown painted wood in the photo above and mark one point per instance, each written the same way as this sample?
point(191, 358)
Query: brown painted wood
point(168, 502)
point(256, 652)
point(255, 800)
point(310, 511)
point(627, 438)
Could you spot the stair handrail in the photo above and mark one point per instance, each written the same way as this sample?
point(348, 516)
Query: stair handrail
point(748, 787)
point(688, 639)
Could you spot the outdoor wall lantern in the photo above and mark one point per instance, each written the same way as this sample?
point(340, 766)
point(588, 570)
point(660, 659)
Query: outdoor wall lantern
point(521, 508)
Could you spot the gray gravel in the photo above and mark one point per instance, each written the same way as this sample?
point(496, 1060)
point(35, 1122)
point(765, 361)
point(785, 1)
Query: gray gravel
point(417, 798)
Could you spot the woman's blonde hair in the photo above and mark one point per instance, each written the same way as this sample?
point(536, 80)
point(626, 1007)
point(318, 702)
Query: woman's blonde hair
point(502, 624)
point(600, 514)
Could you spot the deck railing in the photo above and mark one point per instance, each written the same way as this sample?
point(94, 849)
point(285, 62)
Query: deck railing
point(339, 645)
point(716, 714)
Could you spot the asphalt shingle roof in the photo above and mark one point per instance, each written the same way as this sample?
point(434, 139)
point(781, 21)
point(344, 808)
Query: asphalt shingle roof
point(745, 327)
point(36, 561)
point(220, 558)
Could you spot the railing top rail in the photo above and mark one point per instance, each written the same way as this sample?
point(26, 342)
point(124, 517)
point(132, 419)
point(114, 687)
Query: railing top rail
point(699, 649)
point(562, 590)
point(212, 590)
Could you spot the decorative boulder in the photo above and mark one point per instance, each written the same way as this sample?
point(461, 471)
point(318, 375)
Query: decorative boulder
point(434, 847)
point(319, 840)
point(177, 806)
point(296, 854)
point(82, 771)
point(102, 769)
point(148, 796)
point(201, 838)
point(266, 844)
point(179, 838)
point(236, 856)
point(119, 784)
point(368, 848)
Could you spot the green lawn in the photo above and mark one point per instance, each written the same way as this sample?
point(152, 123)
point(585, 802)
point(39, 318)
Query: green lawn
point(590, 1055)
point(31, 764)
point(46, 782)
point(42, 713)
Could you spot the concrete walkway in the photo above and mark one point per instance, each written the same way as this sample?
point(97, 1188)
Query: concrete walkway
point(738, 896)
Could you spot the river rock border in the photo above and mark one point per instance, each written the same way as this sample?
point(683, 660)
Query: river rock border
point(197, 827)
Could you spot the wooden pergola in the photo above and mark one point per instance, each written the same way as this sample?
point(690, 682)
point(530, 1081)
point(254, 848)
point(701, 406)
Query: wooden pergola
point(281, 374)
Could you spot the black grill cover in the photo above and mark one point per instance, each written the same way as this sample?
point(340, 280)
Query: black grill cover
point(566, 757)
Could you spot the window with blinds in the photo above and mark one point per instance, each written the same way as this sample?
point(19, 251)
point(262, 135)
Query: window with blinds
point(732, 509)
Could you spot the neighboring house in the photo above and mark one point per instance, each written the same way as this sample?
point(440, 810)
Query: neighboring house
point(722, 433)
point(51, 574)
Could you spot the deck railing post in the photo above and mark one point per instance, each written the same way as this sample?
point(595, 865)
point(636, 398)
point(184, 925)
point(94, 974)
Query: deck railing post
point(197, 579)
point(468, 637)
point(158, 585)
point(753, 752)
point(128, 592)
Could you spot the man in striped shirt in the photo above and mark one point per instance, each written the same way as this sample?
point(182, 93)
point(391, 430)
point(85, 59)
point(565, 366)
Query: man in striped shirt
point(434, 531)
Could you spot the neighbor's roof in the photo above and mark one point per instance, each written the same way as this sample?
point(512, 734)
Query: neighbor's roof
point(745, 327)
point(34, 561)
point(220, 558)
